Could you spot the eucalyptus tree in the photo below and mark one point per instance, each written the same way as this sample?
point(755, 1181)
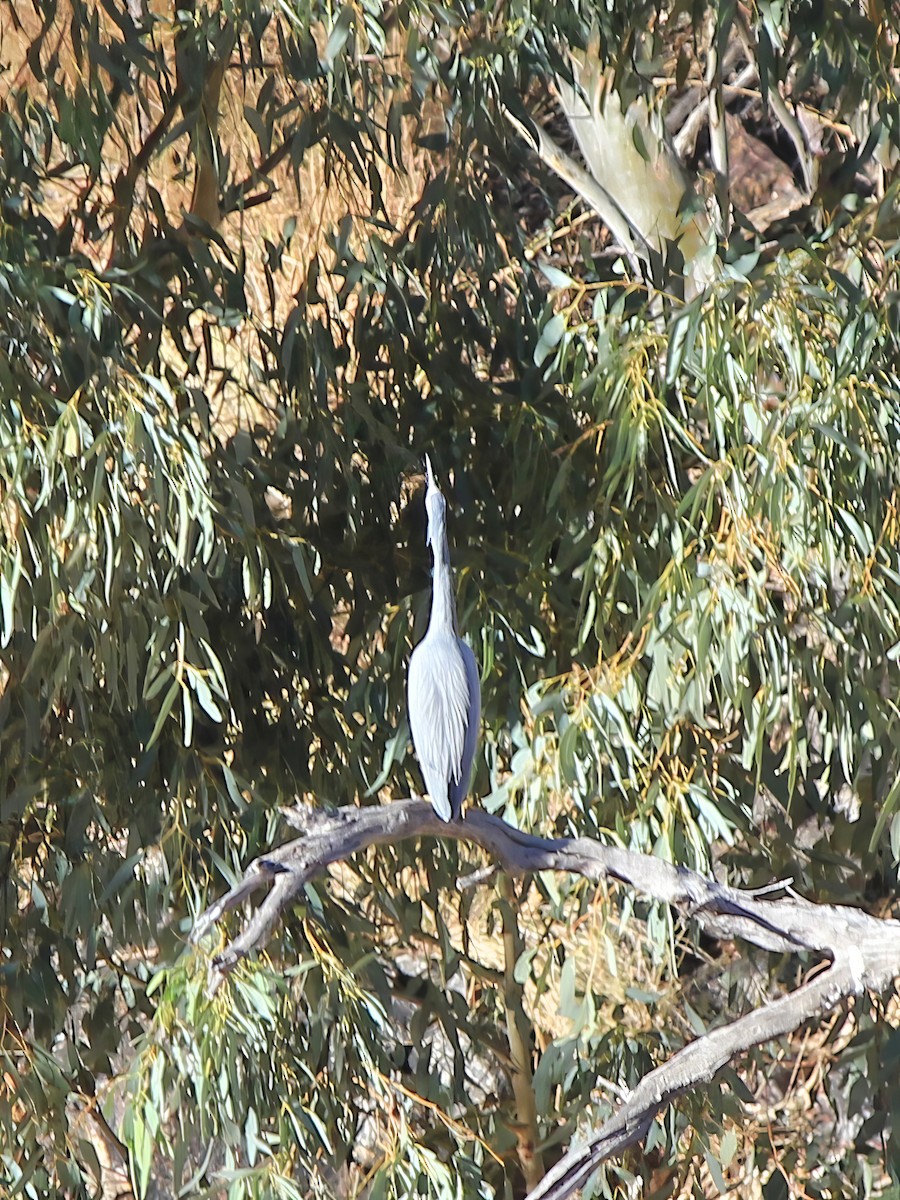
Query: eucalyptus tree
point(630, 278)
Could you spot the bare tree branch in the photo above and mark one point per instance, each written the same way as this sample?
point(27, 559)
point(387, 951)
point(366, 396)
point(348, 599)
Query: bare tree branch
point(864, 951)
point(697, 1063)
point(774, 924)
point(685, 141)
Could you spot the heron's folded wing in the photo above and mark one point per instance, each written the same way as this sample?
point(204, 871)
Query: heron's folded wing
point(460, 784)
point(438, 694)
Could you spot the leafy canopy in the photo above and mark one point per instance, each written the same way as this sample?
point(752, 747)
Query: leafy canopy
point(253, 264)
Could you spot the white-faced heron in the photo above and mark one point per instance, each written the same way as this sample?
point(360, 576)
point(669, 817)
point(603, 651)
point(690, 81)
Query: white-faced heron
point(444, 692)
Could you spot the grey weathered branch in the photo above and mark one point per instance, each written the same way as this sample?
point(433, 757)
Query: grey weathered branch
point(864, 951)
point(685, 141)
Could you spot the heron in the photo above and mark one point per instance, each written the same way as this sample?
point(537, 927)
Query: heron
point(444, 692)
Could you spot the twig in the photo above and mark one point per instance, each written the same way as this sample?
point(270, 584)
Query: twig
point(477, 878)
point(719, 28)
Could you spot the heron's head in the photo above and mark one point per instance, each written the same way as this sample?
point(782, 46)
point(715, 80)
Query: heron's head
point(435, 508)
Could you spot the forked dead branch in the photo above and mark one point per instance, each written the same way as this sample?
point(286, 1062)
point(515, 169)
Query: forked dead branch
point(863, 951)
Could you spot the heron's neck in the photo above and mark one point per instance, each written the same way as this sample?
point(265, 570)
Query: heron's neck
point(443, 602)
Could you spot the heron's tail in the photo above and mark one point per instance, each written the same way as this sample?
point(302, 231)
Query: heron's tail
point(441, 805)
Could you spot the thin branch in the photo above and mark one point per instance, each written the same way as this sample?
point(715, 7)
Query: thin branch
point(718, 134)
point(864, 951)
point(685, 140)
point(127, 180)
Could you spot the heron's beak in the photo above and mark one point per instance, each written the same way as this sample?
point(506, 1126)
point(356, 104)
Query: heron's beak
point(432, 497)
